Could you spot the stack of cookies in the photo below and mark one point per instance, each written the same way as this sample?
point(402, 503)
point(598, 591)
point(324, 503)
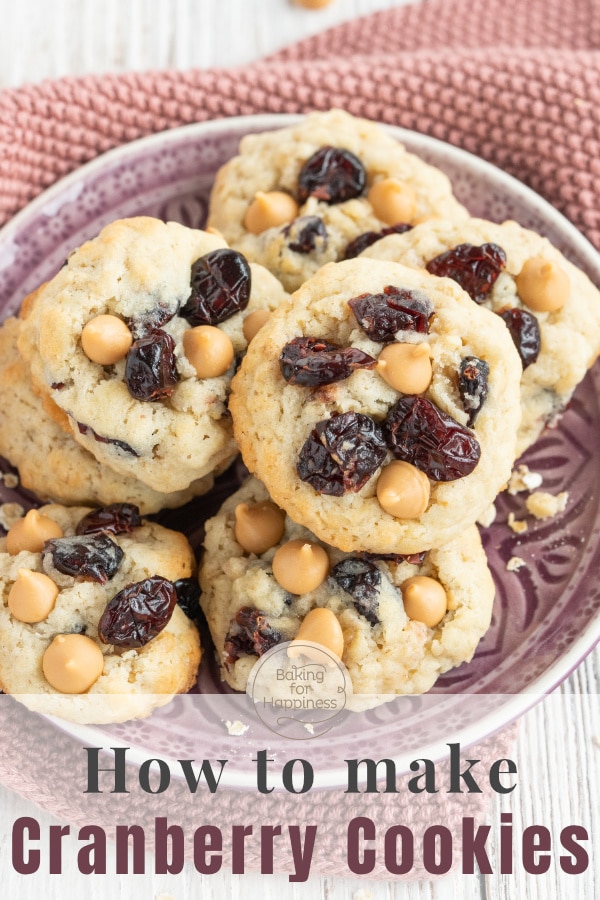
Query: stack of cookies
point(116, 377)
point(382, 406)
point(379, 409)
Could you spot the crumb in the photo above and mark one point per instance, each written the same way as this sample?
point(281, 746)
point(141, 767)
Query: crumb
point(362, 894)
point(522, 479)
point(236, 728)
point(309, 727)
point(164, 897)
point(11, 481)
point(515, 563)
point(10, 513)
point(596, 740)
point(544, 506)
point(517, 525)
point(487, 517)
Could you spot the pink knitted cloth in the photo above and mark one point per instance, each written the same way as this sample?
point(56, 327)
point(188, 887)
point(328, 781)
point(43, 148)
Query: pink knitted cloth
point(515, 82)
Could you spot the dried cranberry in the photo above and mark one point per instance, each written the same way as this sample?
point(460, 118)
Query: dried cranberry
point(474, 268)
point(121, 445)
point(415, 559)
point(473, 385)
point(381, 316)
point(150, 321)
point(333, 175)
point(356, 247)
point(360, 579)
point(150, 368)
point(220, 284)
point(306, 234)
point(138, 613)
point(250, 634)
point(418, 432)
point(341, 453)
point(118, 518)
point(188, 596)
point(95, 556)
point(311, 362)
point(525, 331)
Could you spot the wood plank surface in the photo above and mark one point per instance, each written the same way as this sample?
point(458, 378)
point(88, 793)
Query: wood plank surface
point(558, 747)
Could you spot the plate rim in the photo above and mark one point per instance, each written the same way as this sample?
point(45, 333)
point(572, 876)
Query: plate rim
point(270, 121)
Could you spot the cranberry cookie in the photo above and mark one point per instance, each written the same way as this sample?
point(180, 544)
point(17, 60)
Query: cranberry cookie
point(90, 628)
point(136, 339)
point(551, 308)
point(297, 198)
point(380, 407)
point(50, 462)
point(397, 624)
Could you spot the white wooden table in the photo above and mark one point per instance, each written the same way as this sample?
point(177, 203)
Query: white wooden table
point(559, 740)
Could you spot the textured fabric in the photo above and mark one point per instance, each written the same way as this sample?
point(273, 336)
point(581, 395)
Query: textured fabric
point(515, 82)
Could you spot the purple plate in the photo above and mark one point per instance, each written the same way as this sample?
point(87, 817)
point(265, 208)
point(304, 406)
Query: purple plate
point(547, 615)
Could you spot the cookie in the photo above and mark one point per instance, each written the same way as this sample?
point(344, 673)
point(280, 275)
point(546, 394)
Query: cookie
point(296, 198)
point(380, 407)
point(76, 639)
point(50, 462)
point(550, 306)
point(385, 645)
point(135, 339)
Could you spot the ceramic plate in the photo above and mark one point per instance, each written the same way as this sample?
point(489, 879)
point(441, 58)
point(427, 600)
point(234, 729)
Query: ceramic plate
point(546, 615)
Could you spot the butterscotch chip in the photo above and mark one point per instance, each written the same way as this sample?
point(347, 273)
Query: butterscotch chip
point(209, 350)
point(300, 566)
point(384, 650)
point(31, 532)
point(72, 663)
point(32, 596)
point(106, 339)
point(268, 210)
point(258, 527)
point(254, 322)
point(424, 600)
point(543, 286)
point(403, 491)
point(312, 4)
point(393, 201)
point(406, 367)
point(319, 626)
